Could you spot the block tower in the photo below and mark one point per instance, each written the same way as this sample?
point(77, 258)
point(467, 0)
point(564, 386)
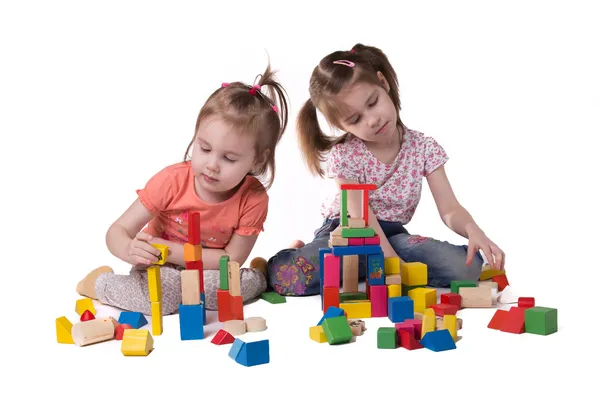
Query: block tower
point(155, 291)
point(229, 295)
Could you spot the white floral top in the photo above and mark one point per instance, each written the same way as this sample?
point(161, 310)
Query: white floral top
point(398, 185)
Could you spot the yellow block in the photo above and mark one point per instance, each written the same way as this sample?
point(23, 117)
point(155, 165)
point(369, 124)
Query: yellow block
point(154, 285)
point(157, 319)
point(357, 308)
point(137, 342)
point(423, 298)
point(392, 266)
point(164, 251)
point(63, 331)
point(414, 274)
point(489, 273)
point(85, 304)
point(428, 322)
point(192, 252)
point(317, 334)
point(394, 290)
point(450, 324)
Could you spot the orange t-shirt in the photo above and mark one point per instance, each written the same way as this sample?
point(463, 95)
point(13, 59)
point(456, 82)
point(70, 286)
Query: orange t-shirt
point(170, 195)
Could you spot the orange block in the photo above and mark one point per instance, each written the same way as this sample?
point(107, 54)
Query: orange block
point(192, 252)
point(237, 307)
point(224, 305)
point(331, 297)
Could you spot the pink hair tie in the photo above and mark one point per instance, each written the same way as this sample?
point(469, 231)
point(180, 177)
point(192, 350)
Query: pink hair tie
point(352, 51)
point(224, 84)
point(345, 62)
point(253, 89)
point(275, 109)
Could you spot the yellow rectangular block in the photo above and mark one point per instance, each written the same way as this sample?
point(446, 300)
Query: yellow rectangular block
point(414, 274)
point(157, 319)
point(394, 291)
point(154, 285)
point(137, 342)
point(317, 334)
point(192, 252)
point(428, 322)
point(450, 324)
point(392, 266)
point(423, 298)
point(357, 308)
point(85, 304)
point(164, 252)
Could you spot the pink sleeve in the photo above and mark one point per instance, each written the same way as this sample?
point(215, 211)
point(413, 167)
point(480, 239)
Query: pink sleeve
point(158, 192)
point(435, 156)
point(344, 162)
point(253, 213)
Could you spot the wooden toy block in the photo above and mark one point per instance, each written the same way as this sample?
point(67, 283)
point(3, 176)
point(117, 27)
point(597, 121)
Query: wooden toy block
point(358, 186)
point(358, 232)
point(394, 290)
point(273, 297)
point(154, 285)
point(367, 289)
point(93, 331)
point(438, 341)
point(157, 318)
point(84, 304)
point(387, 338)
point(514, 321)
point(423, 298)
point(439, 323)
point(192, 252)
point(373, 241)
point(164, 252)
point(488, 273)
point(190, 291)
point(343, 208)
point(428, 323)
point(135, 319)
point(378, 297)
point(357, 327)
point(203, 301)
point(356, 241)
point(497, 321)
point(408, 341)
point(357, 308)
point(356, 223)
point(417, 326)
point(330, 313)
point(236, 327)
point(191, 321)
point(526, 302)
point(224, 272)
point(255, 324)
point(375, 272)
point(223, 337)
point(392, 266)
point(224, 305)
point(403, 326)
point(476, 297)
point(254, 353)
point(491, 284)
point(394, 280)
point(414, 273)
point(356, 250)
point(331, 297)
point(445, 309)
point(541, 320)
point(234, 278)
point(119, 332)
point(237, 307)
point(317, 334)
point(137, 342)
point(501, 280)
point(337, 330)
point(198, 266)
point(194, 227)
point(451, 298)
point(236, 347)
point(406, 288)
point(350, 274)
point(456, 285)
point(332, 268)
point(338, 241)
point(86, 316)
point(449, 323)
point(63, 330)
point(401, 308)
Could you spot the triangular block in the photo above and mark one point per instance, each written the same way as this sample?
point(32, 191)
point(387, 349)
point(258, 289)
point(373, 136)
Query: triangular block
point(236, 347)
point(63, 331)
point(254, 353)
point(86, 316)
point(223, 337)
point(135, 319)
point(498, 319)
point(84, 304)
point(439, 340)
point(515, 321)
point(120, 331)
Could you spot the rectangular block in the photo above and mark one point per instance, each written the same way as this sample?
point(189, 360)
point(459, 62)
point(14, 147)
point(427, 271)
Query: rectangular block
point(406, 289)
point(237, 307)
point(191, 322)
point(224, 272)
point(378, 299)
point(373, 241)
point(224, 305)
point(356, 223)
point(449, 323)
point(357, 309)
point(190, 289)
point(394, 290)
point(194, 227)
point(331, 297)
point(157, 318)
point(451, 298)
point(423, 298)
point(332, 268)
point(476, 297)
point(192, 252)
point(356, 241)
point(234, 278)
point(455, 285)
point(164, 252)
point(358, 232)
point(414, 274)
point(154, 285)
point(350, 274)
point(356, 250)
point(375, 272)
point(393, 280)
point(392, 266)
point(199, 266)
point(358, 186)
point(349, 296)
point(338, 241)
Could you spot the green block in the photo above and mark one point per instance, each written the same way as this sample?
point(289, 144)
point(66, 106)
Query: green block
point(406, 289)
point(387, 338)
point(337, 330)
point(273, 297)
point(352, 296)
point(344, 208)
point(357, 232)
point(224, 273)
point(541, 320)
point(455, 285)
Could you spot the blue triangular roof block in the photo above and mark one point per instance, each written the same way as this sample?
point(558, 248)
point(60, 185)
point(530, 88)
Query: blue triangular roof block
point(236, 347)
point(254, 353)
point(135, 319)
point(439, 340)
point(331, 312)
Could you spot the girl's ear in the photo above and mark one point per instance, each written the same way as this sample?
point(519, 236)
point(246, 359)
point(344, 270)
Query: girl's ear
point(261, 159)
point(383, 81)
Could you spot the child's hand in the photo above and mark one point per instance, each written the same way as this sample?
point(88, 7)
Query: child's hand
point(479, 241)
point(141, 252)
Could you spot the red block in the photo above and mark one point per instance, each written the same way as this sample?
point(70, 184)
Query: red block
point(403, 326)
point(368, 289)
point(408, 341)
point(198, 265)
point(444, 309)
point(417, 323)
point(526, 302)
point(451, 298)
point(331, 297)
point(373, 241)
point(358, 186)
point(223, 337)
point(224, 305)
point(87, 316)
point(194, 227)
point(498, 319)
point(237, 307)
point(120, 330)
point(515, 321)
point(501, 280)
point(356, 241)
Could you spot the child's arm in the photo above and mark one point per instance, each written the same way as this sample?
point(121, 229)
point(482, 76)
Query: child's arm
point(457, 218)
point(354, 204)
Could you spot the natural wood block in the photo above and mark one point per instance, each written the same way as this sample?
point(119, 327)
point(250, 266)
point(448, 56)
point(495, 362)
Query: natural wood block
point(490, 284)
point(356, 223)
point(234, 278)
point(235, 326)
point(476, 297)
point(93, 331)
point(255, 324)
point(395, 279)
point(190, 290)
point(350, 274)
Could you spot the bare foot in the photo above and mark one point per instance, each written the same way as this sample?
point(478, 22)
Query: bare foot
point(297, 244)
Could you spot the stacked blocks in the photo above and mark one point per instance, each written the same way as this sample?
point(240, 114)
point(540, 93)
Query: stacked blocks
point(229, 295)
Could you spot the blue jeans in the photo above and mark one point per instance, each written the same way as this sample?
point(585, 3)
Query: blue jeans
point(295, 272)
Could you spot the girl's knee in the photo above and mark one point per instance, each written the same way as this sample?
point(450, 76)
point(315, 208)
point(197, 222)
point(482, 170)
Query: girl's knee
point(294, 272)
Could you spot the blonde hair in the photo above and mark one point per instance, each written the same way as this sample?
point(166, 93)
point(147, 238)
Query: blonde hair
point(326, 81)
point(250, 110)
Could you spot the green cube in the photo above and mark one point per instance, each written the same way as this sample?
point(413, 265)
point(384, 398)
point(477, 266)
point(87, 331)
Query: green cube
point(456, 285)
point(352, 296)
point(273, 297)
point(406, 289)
point(337, 330)
point(387, 338)
point(541, 320)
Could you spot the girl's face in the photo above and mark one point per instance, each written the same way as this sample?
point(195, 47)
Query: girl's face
point(221, 158)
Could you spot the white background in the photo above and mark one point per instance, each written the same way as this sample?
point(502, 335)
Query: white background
point(96, 97)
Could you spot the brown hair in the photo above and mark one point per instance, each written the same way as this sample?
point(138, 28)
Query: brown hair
point(250, 110)
point(326, 81)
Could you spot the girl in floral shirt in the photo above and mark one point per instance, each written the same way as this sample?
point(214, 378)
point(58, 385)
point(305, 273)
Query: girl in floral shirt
point(357, 92)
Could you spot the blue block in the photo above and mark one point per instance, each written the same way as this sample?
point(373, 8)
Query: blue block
point(135, 319)
point(439, 340)
point(254, 353)
point(330, 313)
point(375, 267)
point(236, 347)
point(322, 252)
point(191, 321)
point(401, 308)
point(202, 299)
point(356, 250)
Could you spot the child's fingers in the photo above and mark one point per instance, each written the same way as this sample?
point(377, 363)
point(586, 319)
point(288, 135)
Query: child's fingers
point(144, 254)
point(143, 237)
point(470, 254)
point(490, 256)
